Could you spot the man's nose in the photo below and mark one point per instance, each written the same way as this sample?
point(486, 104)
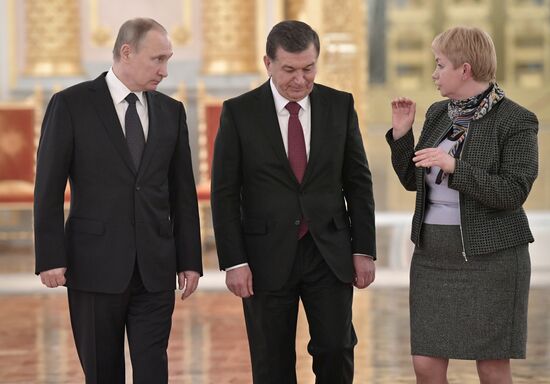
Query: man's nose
point(163, 70)
point(300, 78)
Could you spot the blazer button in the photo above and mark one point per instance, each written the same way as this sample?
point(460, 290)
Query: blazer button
point(297, 222)
point(138, 188)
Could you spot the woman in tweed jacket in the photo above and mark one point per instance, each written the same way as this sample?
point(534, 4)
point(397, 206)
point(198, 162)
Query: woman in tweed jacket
point(472, 169)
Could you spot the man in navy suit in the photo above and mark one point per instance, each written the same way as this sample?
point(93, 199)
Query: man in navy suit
point(133, 221)
point(293, 211)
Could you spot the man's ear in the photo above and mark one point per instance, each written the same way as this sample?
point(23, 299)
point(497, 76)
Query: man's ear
point(125, 51)
point(267, 63)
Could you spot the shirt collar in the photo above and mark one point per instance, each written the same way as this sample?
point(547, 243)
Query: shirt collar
point(118, 90)
point(281, 102)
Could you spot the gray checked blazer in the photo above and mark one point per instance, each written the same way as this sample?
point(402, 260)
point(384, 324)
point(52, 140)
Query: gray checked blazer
point(494, 175)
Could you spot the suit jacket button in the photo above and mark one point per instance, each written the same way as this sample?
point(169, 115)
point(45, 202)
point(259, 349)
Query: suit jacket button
point(297, 222)
point(138, 188)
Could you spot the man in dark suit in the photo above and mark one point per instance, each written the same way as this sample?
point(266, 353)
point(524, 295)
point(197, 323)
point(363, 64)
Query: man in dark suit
point(293, 211)
point(133, 220)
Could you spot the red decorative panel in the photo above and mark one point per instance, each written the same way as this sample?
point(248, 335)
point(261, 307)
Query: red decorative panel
point(17, 151)
point(212, 112)
point(17, 144)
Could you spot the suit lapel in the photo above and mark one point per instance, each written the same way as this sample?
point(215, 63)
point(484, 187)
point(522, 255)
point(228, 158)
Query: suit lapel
point(103, 103)
point(319, 131)
point(153, 109)
point(270, 125)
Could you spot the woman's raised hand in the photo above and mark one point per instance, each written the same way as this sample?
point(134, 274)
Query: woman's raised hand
point(403, 111)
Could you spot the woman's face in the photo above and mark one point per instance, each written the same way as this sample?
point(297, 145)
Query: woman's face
point(448, 80)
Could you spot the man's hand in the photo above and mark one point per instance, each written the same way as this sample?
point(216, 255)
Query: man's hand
point(239, 281)
point(364, 271)
point(53, 278)
point(188, 280)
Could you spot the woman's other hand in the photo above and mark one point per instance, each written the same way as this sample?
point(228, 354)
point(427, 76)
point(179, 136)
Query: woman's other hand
point(435, 157)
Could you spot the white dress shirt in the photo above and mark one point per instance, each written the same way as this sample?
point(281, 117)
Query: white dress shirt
point(283, 114)
point(118, 93)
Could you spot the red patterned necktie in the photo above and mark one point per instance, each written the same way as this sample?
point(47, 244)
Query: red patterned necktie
point(297, 151)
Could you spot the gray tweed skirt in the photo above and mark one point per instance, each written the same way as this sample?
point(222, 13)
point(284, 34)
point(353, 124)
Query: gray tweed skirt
point(473, 310)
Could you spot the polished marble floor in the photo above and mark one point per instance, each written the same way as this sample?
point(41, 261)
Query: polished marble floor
point(208, 341)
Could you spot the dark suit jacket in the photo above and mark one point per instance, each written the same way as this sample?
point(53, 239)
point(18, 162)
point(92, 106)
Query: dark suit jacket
point(116, 213)
point(257, 203)
point(494, 175)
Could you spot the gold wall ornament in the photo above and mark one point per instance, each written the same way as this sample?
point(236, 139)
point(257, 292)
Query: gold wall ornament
point(182, 33)
point(229, 33)
point(294, 9)
point(100, 35)
point(474, 13)
point(11, 30)
point(204, 167)
point(343, 57)
point(409, 38)
point(527, 41)
point(52, 38)
point(181, 93)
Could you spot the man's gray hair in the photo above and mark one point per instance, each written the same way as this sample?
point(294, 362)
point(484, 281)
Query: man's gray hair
point(132, 33)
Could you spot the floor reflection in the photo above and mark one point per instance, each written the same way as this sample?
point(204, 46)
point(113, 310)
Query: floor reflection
point(208, 342)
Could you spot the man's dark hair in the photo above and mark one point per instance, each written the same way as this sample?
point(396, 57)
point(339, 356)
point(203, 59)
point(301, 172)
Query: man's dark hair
point(292, 36)
point(132, 32)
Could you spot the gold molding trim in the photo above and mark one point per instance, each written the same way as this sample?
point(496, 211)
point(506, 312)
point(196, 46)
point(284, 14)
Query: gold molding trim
point(12, 44)
point(181, 34)
point(101, 36)
point(52, 35)
point(229, 32)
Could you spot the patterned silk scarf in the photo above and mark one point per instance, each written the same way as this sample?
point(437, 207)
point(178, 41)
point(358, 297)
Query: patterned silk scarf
point(461, 113)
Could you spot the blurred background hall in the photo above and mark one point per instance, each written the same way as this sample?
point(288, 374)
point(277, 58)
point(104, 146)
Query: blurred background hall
point(375, 49)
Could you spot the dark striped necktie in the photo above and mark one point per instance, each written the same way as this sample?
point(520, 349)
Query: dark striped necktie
point(135, 137)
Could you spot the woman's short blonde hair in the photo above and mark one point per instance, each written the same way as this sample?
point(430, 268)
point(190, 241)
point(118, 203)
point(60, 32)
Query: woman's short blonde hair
point(469, 45)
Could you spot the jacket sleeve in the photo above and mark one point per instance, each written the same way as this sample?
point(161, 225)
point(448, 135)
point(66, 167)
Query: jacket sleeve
point(357, 184)
point(183, 203)
point(518, 168)
point(402, 152)
point(226, 192)
point(53, 163)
